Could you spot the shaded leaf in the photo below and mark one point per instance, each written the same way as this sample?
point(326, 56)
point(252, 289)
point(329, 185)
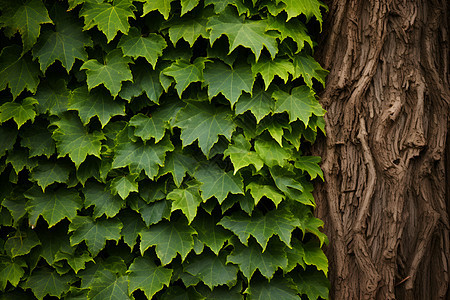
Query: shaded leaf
point(187, 200)
point(308, 68)
point(178, 164)
point(44, 282)
point(11, 271)
point(104, 202)
point(185, 73)
point(107, 285)
point(209, 233)
point(21, 113)
point(132, 225)
point(145, 80)
point(310, 165)
point(38, 139)
point(268, 68)
point(313, 284)
point(276, 289)
point(48, 172)
point(53, 96)
point(260, 103)
point(21, 242)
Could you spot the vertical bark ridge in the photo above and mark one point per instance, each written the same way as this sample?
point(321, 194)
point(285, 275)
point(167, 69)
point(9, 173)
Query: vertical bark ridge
point(384, 200)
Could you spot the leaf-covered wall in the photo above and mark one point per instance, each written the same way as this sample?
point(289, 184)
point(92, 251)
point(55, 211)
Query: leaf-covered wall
point(155, 149)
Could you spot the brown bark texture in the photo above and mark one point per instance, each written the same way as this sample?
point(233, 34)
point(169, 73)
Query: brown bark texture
point(385, 199)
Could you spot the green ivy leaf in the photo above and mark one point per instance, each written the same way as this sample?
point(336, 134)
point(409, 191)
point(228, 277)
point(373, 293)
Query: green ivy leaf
point(260, 103)
point(44, 282)
point(315, 256)
point(38, 139)
point(185, 73)
point(146, 276)
point(11, 271)
point(262, 228)
point(211, 269)
point(21, 242)
point(145, 80)
point(48, 172)
point(135, 45)
point(95, 103)
point(204, 122)
point(53, 206)
point(19, 159)
point(310, 165)
point(252, 257)
point(155, 212)
point(178, 164)
point(209, 233)
point(313, 284)
point(231, 82)
point(104, 202)
point(109, 18)
point(163, 6)
point(53, 96)
point(188, 5)
point(21, 113)
point(7, 139)
point(53, 241)
point(294, 29)
point(111, 73)
point(18, 72)
point(272, 153)
point(25, 17)
point(107, 285)
point(94, 233)
point(294, 256)
point(269, 68)
point(76, 261)
point(187, 200)
point(258, 191)
point(276, 289)
point(189, 28)
point(169, 238)
point(218, 183)
point(309, 8)
point(240, 31)
point(132, 225)
point(220, 5)
point(308, 68)
point(124, 185)
point(241, 155)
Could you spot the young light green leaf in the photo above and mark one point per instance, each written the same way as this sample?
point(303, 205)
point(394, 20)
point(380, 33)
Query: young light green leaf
point(315, 256)
point(163, 6)
point(73, 139)
point(124, 185)
point(44, 282)
point(209, 233)
point(146, 276)
point(53, 96)
point(260, 103)
point(252, 257)
point(109, 18)
point(220, 5)
point(38, 139)
point(268, 68)
point(21, 113)
point(188, 5)
point(258, 191)
point(187, 200)
point(111, 73)
point(272, 153)
point(309, 8)
point(107, 285)
point(204, 122)
point(95, 103)
point(241, 155)
point(48, 172)
point(240, 31)
point(145, 80)
point(294, 29)
point(169, 238)
point(21, 242)
point(276, 222)
point(218, 183)
point(178, 164)
point(294, 256)
point(231, 82)
point(104, 202)
point(65, 44)
point(11, 271)
point(276, 289)
point(53, 206)
point(135, 45)
point(211, 269)
point(299, 104)
point(308, 68)
point(185, 73)
point(310, 164)
point(94, 233)
point(18, 72)
point(25, 17)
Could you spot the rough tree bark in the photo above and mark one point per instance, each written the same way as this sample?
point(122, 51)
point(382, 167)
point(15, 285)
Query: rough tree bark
point(385, 199)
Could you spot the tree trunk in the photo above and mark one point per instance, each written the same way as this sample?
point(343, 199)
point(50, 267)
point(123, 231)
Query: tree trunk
point(385, 199)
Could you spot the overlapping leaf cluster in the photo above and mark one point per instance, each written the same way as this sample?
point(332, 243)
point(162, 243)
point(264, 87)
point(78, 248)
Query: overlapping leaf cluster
point(155, 149)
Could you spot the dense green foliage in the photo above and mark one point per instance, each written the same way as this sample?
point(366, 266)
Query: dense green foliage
point(155, 148)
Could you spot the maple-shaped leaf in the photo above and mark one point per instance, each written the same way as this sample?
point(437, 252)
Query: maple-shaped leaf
point(169, 238)
point(188, 5)
point(204, 122)
point(124, 185)
point(299, 104)
point(178, 164)
point(132, 225)
point(145, 80)
point(18, 72)
point(139, 156)
point(313, 284)
point(309, 223)
point(38, 139)
point(48, 172)
point(268, 68)
point(218, 183)
point(209, 233)
point(310, 164)
point(54, 240)
point(251, 257)
point(315, 256)
point(143, 274)
point(94, 233)
point(163, 6)
point(21, 242)
point(73, 139)
point(271, 152)
point(104, 202)
point(19, 160)
point(211, 269)
point(77, 261)
point(189, 28)
point(276, 222)
point(109, 17)
point(185, 73)
point(309, 8)
point(258, 191)
point(242, 32)
point(111, 74)
point(136, 45)
point(221, 292)
point(294, 29)
point(156, 211)
point(44, 282)
point(231, 82)
point(241, 155)
point(276, 289)
point(65, 44)
point(294, 256)
point(53, 96)
point(8, 138)
point(16, 206)
point(259, 103)
point(107, 285)
point(308, 68)
point(25, 17)
point(288, 183)
point(11, 270)
point(53, 206)
point(277, 126)
point(97, 102)
point(187, 200)
point(111, 263)
point(21, 113)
